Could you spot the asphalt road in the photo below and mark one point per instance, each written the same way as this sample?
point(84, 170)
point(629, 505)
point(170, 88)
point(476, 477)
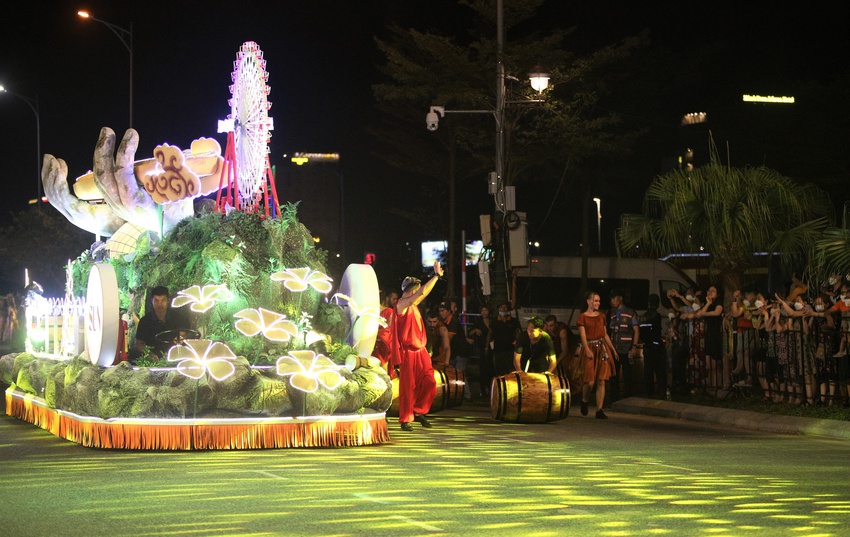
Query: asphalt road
point(469, 475)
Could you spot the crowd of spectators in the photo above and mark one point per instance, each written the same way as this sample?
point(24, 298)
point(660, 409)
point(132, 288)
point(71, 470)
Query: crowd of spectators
point(786, 348)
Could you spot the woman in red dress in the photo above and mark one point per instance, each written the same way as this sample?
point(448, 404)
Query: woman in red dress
point(597, 353)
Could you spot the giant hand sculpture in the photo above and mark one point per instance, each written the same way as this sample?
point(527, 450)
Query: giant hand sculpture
point(126, 200)
point(98, 219)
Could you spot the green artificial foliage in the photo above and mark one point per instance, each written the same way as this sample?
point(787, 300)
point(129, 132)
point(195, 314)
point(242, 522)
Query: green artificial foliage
point(338, 352)
point(240, 251)
point(333, 320)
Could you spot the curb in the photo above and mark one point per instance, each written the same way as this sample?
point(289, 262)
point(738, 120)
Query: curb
point(745, 419)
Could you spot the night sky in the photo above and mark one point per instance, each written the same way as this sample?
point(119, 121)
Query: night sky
point(321, 60)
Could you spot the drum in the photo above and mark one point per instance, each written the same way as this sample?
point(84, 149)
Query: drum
point(530, 397)
point(450, 386)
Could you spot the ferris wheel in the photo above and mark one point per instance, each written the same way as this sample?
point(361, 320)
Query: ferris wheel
point(249, 123)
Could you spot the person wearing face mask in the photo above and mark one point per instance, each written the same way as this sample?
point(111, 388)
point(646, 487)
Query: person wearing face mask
point(799, 368)
point(505, 329)
point(842, 308)
point(824, 339)
point(678, 348)
point(712, 321)
point(743, 309)
point(832, 288)
point(767, 360)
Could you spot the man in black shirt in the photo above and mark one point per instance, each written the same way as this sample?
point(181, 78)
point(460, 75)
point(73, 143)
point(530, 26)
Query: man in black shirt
point(505, 330)
point(534, 351)
point(161, 318)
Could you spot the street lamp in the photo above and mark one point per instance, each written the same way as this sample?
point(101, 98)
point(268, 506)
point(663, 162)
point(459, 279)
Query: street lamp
point(33, 104)
point(598, 223)
point(539, 79)
point(126, 37)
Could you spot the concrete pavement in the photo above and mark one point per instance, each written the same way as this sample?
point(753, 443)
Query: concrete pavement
point(745, 419)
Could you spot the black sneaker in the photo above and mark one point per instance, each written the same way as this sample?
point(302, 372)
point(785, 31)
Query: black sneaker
point(584, 408)
point(601, 415)
point(406, 426)
point(423, 421)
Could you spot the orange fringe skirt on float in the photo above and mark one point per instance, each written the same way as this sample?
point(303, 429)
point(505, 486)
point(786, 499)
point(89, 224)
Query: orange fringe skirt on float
point(199, 434)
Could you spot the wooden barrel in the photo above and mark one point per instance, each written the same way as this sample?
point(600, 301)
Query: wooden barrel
point(450, 386)
point(450, 389)
point(530, 397)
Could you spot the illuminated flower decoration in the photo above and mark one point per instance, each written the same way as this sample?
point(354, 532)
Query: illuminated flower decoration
point(274, 326)
point(195, 357)
point(322, 371)
point(202, 298)
point(297, 280)
point(366, 313)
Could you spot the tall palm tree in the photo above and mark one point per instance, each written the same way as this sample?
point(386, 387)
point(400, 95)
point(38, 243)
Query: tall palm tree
point(730, 213)
point(830, 253)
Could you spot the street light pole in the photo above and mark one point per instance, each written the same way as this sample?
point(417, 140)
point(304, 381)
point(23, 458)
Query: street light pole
point(539, 81)
point(126, 38)
point(33, 104)
point(499, 113)
point(598, 223)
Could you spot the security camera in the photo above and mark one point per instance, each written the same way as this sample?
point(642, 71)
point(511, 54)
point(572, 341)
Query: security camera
point(432, 119)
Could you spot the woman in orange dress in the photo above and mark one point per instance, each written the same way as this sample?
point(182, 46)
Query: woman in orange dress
point(597, 352)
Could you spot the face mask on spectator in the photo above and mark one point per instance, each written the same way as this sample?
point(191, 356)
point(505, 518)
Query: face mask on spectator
point(847, 301)
point(759, 303)
point(671, 315)
point(798, 306)
point(689, 298)
point(832, 281)
point(819, 307)
point(504, 313)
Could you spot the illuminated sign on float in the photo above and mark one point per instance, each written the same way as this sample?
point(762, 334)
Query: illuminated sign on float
point(768, 99)
point(202, 298)
point(102, 315)
point(274, 326)
point(297, 280)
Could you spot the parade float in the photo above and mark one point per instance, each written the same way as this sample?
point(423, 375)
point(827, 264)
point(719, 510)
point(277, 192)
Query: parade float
point(277, 354)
